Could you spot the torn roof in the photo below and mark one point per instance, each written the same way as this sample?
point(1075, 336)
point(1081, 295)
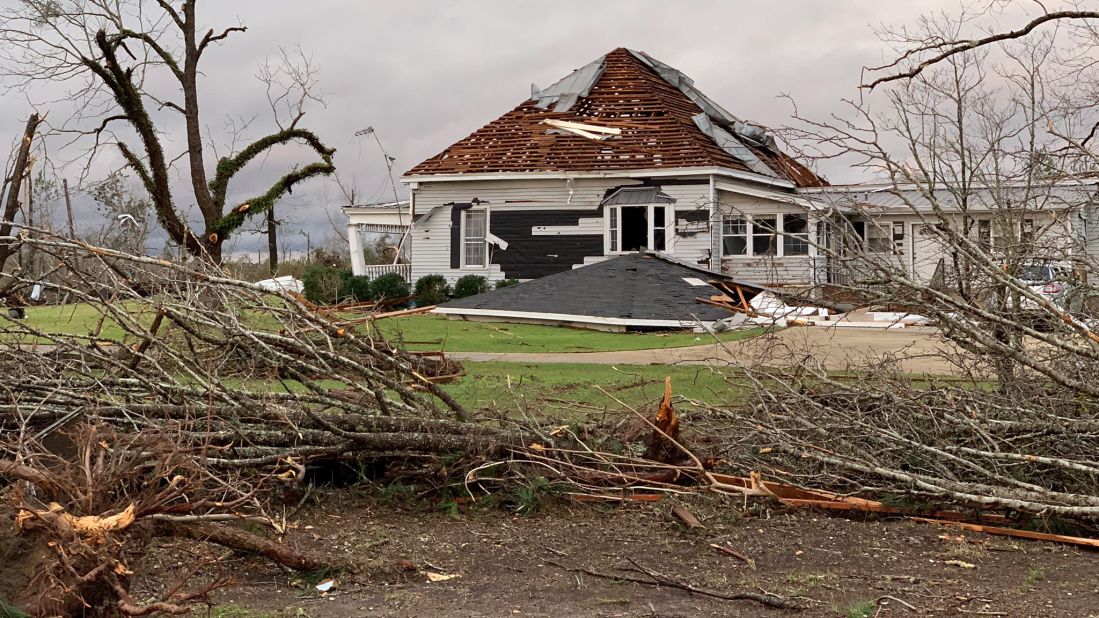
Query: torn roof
point(635, 290)
point(651, 116)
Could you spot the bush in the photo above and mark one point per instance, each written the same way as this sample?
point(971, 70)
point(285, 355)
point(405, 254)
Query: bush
point(388, 287)
point(322, 284)
point(355, 288)
point(431, 290)
point(506, 283)
point(470, 285)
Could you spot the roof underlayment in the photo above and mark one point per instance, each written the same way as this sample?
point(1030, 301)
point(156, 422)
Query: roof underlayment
point(623, 111)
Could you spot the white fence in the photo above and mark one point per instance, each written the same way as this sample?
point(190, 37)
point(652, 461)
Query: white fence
point(376, 270)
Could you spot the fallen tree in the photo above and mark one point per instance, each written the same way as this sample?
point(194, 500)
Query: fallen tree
point(181, 407)
point(184, 404)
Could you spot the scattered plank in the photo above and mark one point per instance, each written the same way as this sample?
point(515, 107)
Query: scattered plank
point(686, 517)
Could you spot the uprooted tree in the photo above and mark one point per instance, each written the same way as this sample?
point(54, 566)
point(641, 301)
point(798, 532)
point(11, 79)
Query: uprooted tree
point(112, 56)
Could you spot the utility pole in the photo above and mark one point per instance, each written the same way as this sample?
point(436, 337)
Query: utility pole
point(69, 207)
point(272, 241)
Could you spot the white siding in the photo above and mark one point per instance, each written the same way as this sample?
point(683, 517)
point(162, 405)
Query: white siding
point(431, 237)
point(770, 270)
point(431, 241)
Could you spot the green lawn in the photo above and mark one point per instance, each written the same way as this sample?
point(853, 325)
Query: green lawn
point(565, 390)
point(75, 319)
point(569, 389)
point(431, 332)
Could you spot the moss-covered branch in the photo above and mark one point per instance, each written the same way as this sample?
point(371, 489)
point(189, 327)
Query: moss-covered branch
point(230, 166)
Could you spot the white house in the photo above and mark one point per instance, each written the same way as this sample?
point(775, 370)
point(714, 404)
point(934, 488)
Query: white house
point(626, 154)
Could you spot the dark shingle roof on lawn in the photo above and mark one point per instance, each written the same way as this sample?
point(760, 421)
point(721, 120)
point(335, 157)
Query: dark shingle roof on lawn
point(629, 287)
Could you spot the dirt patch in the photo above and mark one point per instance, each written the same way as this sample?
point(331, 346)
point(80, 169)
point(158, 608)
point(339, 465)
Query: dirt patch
point(505, 565)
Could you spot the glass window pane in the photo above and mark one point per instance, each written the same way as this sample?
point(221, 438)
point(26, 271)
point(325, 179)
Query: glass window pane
point(763, 244)
point(765, 225)
point(658, 240)
point(764, 236)
point(735, 226)
point(735, 245)
point(795, 224)
point(795, 245)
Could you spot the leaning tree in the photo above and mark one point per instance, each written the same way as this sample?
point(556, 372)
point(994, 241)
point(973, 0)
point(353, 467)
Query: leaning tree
point(131, 69)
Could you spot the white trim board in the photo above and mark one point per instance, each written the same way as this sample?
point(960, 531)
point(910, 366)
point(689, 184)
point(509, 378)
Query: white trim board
point(565, 317)
point(641, 173)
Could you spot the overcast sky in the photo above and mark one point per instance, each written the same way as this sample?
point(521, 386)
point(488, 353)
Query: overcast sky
point(425, 73)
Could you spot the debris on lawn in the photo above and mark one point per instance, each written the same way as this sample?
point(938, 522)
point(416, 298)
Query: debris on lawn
point(725, 549)
point(326, 585)
point(686, 516)
point(440, 577)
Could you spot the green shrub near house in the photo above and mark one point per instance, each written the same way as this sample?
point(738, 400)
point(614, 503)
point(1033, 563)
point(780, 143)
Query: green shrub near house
point(431, 290)
point(470, 285)
point(506, 283)
point(388, 287)
point(322, 284)
point(355, 288)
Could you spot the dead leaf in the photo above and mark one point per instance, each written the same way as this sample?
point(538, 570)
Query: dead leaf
point(440, 577)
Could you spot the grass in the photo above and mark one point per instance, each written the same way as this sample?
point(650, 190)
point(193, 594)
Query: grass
point(571, 388)
point(418, 332)
point(859, 609)
point(564, 390)
point(76, 319)
point(431, 332)
point(1033, 576)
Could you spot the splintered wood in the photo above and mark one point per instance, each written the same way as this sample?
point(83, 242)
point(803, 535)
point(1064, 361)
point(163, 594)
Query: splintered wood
point(662, 445)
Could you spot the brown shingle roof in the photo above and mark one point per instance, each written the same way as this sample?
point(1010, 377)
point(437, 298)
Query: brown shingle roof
point(656, 125)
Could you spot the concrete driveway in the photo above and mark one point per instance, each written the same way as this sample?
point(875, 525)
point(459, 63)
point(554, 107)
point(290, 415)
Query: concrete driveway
point(919, 349)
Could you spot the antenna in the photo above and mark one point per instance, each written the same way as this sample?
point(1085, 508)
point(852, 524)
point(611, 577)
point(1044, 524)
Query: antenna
point(393, 184)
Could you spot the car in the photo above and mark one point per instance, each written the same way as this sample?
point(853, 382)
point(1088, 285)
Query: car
point(1053, 281)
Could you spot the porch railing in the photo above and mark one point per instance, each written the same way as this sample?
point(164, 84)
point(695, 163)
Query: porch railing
point(377, 270)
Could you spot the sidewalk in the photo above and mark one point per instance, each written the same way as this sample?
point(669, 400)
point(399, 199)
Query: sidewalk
point(920, 348)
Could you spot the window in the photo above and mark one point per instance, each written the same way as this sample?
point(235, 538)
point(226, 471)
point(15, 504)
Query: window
point(660, 228)
point(760, 236)
point(984, 234)
point(795, 235)
point(633, 228)
point(898, 236)
point(613, 227)
point(474, 245)
point(734, 236)
point(1026, 234)
point(858, 228)
point(764, 236)
point(879, 239)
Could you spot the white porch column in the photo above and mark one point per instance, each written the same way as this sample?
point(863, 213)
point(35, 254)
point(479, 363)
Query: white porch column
point(355, 245)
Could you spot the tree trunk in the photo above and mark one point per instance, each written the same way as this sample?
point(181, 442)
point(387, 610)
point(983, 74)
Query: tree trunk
point(272, 242)
point(16, 180)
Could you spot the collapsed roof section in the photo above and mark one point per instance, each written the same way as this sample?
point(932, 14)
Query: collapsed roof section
point(623, 111)
point(637, 291)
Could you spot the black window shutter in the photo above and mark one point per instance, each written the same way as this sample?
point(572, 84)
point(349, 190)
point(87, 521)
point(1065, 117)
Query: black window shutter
point(456, 234)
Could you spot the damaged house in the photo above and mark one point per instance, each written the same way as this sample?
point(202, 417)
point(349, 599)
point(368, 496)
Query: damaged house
point(625, 154)
point(621, 155)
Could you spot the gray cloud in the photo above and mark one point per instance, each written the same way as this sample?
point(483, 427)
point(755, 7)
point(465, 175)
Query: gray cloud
point(425, 73)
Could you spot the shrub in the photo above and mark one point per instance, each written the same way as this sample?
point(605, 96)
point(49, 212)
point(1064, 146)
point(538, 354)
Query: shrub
point(431, 290)
point(506, 283)
point(470, 285)
point(355, 288)
point(388, 287)
point(322, 284)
